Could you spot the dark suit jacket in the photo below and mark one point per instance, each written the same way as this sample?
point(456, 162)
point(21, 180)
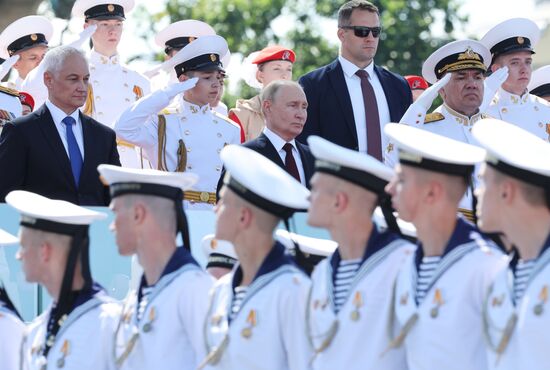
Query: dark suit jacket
point(329, 112)
point(32, 157)
point(262, 145)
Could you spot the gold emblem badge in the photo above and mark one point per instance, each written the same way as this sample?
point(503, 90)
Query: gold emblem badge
point(357, 303)
point(543, 298)
point(469, 54)
point(111, 8)
point(251, 321)
point(438, 302)
point(204, 196)
point(34, 37)
point(213, 57)
point(521, 40)
point(497, 301)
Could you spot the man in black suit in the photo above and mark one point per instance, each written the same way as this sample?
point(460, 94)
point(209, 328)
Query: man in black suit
point(351, 99)
point(55, 151)
point(284, 106)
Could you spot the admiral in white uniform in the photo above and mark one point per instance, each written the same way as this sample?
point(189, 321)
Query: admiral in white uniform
point(76, 331)
point(456, 71)
point(10, 106)
point(28, 38)
point(11, 326)
point(512, 45)
point(515, 200)
point(113, 86)
point(192, 140)
point(439, 292)
point(350, 301)
point(256, 318)
point(161, 323)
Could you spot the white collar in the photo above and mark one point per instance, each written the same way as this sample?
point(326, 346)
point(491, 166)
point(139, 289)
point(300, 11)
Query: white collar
point(277, 141)
point(58, 115)
point(510, 98)
point(98, 58)
point(349, 68)
point(188, 107)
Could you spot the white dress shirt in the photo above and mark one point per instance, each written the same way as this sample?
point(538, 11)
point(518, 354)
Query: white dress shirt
point(278, 143)
point(353, 83)
point(58, 115)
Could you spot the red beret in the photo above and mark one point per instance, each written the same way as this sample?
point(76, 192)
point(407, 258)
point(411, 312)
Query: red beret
point(274, 52)
point(26, 99)
point(416, 82)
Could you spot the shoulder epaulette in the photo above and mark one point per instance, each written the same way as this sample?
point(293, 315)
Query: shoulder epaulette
point(433, 117)
point(225, 118)
point(9, 91)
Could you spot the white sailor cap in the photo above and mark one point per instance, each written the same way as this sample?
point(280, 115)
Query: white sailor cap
point(350, 165)
point(514, 151)
point(219, 253)
point(456, 56)
point(540, 82)
point(307, 244)
point(516, 34)
point(164, 184)
point(203, 54)
point(102, 9)
point(57, 216)
point(263, 183)
point(10, 105)
point(7, 239)
point(25, 33)
point(424, 149)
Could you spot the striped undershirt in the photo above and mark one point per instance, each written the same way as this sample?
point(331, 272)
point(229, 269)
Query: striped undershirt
point(426, 271)
point(238, 297)
point(145, 292)
point(522, 273)
point(345, 273)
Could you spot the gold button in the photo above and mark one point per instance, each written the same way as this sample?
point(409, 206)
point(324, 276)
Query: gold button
point(98, 98)
point(187, 132)
point(218, 168)
point(188, 150)
point(204, 196)
point(504, 110)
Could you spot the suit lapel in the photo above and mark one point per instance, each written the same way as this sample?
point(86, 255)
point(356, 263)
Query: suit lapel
point(267, 149)
point(90, 150)
point(393, 104)
point(51, 134)
point(306, 162)
point(336, 77)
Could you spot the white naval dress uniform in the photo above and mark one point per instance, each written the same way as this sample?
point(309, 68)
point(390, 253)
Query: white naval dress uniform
point(524, 324)
point(112, 89)
point(169, 334)
point(84, 341)
point(203, 133)
point(268, 332)
point(527, 111)
point(357, 334)
point(446, 331)
point(446, 122)
point(11, 336)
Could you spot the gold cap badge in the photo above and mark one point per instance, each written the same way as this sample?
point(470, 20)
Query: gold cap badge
point(213, 57)
point(34, 37)
point(111, 8)
point(521, 40)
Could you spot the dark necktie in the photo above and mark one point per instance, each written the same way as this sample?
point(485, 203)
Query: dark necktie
point(74, 152)
point(374, 140)
point(290, 163)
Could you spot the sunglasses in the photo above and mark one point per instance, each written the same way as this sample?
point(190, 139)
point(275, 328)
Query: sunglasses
point(362, 31)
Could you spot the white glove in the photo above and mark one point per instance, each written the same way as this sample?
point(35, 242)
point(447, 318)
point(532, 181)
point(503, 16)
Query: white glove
point(491, 85)
point(6, 66)
point(426, 99)
point(180, 87)
point(84, 36)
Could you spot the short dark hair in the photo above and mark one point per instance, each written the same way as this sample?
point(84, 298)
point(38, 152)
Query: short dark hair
point(344, 13)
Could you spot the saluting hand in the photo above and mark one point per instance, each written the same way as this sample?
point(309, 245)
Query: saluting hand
point(6, 66)
point(84, 36)
point(428, 96)
point(491, 85)
point(180, 87)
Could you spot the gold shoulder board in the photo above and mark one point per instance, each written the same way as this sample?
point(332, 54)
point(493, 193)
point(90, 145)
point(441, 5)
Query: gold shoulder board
point(433, 117)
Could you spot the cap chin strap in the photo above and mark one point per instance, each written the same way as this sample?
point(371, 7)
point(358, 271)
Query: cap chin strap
point(181, 221)
point(384, 202)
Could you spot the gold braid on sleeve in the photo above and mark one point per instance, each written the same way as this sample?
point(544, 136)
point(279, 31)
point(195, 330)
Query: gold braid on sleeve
point(181, 153)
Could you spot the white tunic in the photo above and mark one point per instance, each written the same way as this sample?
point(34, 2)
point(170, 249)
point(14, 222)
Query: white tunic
point(361, 334)
point(268, 332)
point(203, 133)
point(84, 341)
point(114, 88)
point(11, 336)
point(524, 324)
point(527, 111)
point(169, 335)
point(448, 330)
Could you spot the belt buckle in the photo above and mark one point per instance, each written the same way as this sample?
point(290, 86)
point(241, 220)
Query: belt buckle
point(204, 196)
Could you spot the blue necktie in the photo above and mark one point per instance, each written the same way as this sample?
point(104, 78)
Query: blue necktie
point(74, 152)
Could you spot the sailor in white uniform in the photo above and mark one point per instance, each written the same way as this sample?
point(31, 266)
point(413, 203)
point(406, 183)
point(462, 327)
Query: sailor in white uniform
point(190, 141)
point(161, 325)
point(456, 71)
point(11, 326)
point(256, 318)
point(439, 292)
point(350, 301)
point(515, 200)
point(27, 38)
point(512, 44)
point(76, 331)
point(113, 86)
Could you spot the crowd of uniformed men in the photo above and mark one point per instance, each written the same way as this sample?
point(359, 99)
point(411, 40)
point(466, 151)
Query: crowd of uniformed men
point(439, 255)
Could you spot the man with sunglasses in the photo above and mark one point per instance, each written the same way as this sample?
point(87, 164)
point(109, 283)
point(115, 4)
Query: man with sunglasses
point(351, 99)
